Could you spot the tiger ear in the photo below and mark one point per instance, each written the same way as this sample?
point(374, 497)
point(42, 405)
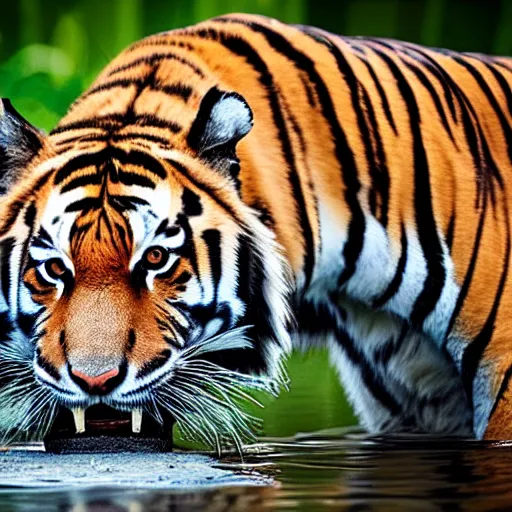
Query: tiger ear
point(223, 119)
point(19, 143)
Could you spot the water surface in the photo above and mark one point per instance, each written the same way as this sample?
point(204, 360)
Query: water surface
point(329, 471)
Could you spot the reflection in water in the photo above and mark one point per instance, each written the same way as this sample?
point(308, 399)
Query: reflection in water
point(330, 472)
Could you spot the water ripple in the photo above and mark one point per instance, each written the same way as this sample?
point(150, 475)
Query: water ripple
point(335, 470)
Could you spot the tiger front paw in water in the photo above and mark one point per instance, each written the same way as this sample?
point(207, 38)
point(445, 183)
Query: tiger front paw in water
point(227, 191)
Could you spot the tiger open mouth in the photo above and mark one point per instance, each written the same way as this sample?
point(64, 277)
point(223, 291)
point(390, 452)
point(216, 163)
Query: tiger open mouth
point(100, 428)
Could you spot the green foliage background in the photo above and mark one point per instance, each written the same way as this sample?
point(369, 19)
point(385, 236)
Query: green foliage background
point(50, 51)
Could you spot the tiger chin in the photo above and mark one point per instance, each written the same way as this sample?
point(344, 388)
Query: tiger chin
point(229, 191)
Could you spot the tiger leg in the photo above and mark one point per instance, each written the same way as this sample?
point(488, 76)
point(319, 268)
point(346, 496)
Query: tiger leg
point(486, 369)
point(480, 344)
point(395, 377)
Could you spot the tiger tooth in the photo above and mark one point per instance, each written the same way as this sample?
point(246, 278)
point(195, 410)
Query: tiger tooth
point(79, 417)
point(136, 420)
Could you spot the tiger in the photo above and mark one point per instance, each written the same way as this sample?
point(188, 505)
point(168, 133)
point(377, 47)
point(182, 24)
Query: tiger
point(229, 192)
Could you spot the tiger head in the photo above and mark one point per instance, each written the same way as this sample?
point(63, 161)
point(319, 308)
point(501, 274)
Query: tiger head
point(133, 274)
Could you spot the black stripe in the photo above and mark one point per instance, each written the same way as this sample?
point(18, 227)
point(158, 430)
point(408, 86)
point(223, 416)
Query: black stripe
point(382, 94)
point(243, 283)
point(154, 364)
point(168, 274)
point(46, 287)
point(379, 192)
point(109, 122)
point(258, 313)
point(140, 135)
point(108, 225)
point(121, 234)
point(78, 139)
point(183, 171)
point(309, 92)
point(157, 58)
point(501, 392)
point(78, 163)
point(474, 352)
point(82, 181)
point(161, 227)
point(505, 124)
point(189, 249)
point(180, 90)
point(113, 122)
point(77, 234)
point(135, 157)
point(12, 213)
point(162, 39)
point(48, 367)
point(153, 121)
point(504, 86)
point(30, 215)
point(181, 330)
point(132, 178)
point(183, 278)
point(105, 86)
point(372, 380)
point(426, 61)
point(450, 231)
point(264, 214)
point(132, 339)
point(6, 327)
point(14, 208)
point(27, 321)
point(344, 154)
point(295, 182)
point(435, 97)
point(29, 218)
point(425, 221)
point(502, 65)
point(122, 203)
point(395, 283)
point(44, 235)
point(212, 239)
point(6, 247)
point(39, 242)
point(191, 203)
point(84, 205)
point(390, 348)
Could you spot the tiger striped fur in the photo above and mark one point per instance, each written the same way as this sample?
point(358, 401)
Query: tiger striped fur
point(302, 189)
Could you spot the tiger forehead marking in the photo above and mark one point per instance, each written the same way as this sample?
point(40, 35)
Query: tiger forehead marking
point(225, 190)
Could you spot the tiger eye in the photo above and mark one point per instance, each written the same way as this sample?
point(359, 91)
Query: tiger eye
point(156, 258)
point(55, 268)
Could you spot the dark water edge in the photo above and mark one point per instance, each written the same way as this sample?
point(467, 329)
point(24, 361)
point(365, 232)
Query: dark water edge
point(328, 471)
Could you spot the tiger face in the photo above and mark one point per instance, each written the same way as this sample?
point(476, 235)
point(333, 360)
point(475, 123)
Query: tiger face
point(143, 281)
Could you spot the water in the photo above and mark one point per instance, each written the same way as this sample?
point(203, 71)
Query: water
point(331, 471)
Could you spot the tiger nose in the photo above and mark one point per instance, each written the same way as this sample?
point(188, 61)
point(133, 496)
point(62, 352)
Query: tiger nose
point(99, 384)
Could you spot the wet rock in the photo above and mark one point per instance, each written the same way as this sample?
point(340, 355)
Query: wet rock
point(129, 470)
